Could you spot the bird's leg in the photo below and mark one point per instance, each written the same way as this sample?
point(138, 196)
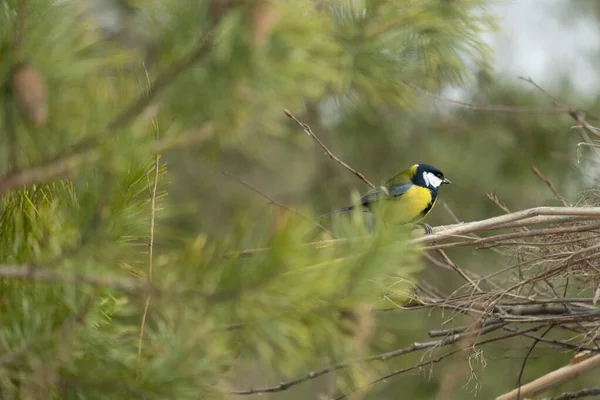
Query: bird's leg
point(428, 228)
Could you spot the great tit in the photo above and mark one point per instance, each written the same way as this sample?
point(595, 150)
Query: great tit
point(406, 198)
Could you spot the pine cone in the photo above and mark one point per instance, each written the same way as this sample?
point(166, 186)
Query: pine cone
point(29, 90)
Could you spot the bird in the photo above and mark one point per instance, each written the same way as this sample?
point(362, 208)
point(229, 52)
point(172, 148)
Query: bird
point(405, 198)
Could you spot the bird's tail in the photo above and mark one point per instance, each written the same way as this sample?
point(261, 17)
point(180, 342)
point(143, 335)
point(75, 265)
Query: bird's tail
point(337, 211)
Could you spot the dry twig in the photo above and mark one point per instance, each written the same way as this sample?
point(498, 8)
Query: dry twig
point(274, 202)
point(553, 379)
point(451, 339)
point(547, 181)
point(576, 395)
point(310, 133)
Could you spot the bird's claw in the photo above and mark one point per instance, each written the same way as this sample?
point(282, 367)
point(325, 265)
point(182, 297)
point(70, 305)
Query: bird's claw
point(428, 229)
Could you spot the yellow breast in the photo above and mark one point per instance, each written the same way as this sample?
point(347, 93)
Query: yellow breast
point(406, 208)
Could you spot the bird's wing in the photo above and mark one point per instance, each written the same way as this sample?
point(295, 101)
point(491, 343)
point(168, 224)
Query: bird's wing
point(402, 178)
point(384, 192)
point(398, 190)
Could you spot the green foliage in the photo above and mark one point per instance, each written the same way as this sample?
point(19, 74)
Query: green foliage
point(219, 319)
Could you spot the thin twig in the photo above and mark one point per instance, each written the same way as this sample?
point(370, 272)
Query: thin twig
point(459, 271)
point(378, 357)
point(547, 181)
point(310, 133)
point(274, 202)
point(499, 239)
point(553, 99)
point(513, 217)
point(576, 395)
point(532, 216)
point(535, 342)
point(437, 360)
point(153, 190)
point(553, 342)
point(492, 107)
point(554, 378)
point(574, 114)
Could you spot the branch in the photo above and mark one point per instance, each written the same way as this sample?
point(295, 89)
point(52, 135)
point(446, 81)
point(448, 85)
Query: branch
point(55, 168)
point(153, 189)
point(532, 216)
point(494, 222)
point(161, 83)
point(517, 235)
point(437, 360)
point(550, 185)
point(459, 271)
point(32, 273)
point(535, 342)
point(574, 114)
point(378, 357)
point(553, 342)
point(20, 27)
point(554, 378)
point(82, 151)
point(492, 107)
point(272, 201)
point(576, 395)
point(310, 133)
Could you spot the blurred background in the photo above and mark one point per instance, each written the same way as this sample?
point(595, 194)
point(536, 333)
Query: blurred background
point(370, 78)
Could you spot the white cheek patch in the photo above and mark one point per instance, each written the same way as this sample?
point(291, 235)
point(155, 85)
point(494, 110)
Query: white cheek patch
point(431, 180)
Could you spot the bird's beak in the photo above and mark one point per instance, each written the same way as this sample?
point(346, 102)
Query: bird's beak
point(446, 181)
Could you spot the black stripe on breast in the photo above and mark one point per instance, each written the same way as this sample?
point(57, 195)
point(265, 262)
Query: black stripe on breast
point(429, 206)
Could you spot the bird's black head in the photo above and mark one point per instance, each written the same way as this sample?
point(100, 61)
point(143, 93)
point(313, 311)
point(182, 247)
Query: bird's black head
point(428, 176)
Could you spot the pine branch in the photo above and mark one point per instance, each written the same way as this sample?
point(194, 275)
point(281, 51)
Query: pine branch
point(153, 188)
point(82, 152)
point(37, 274)
point(20, 28)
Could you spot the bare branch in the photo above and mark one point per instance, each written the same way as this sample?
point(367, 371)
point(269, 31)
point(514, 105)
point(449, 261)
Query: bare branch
point(437, 360)
point(576, 395)
point(460, 229)
point(535, 342)
point(310, 133)
point(492, 107)
point(378, 357)
point(553, 379)
point(550, 185)
point(532, 216)
point(270, 200)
